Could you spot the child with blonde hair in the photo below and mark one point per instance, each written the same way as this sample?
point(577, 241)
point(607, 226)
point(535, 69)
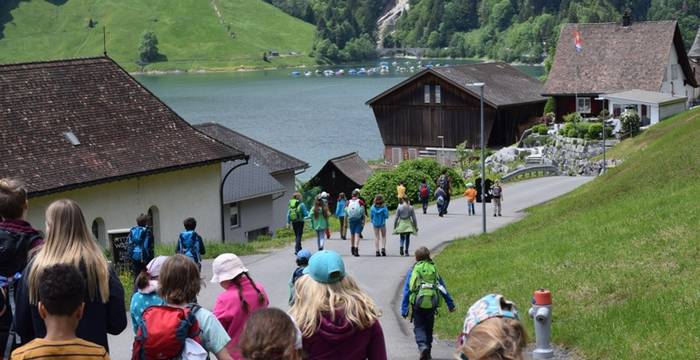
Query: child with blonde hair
point(492, 331)
point(338, 321)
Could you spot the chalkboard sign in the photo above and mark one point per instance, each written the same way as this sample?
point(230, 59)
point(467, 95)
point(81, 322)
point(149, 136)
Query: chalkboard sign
point(119, 240)
point(489, 183)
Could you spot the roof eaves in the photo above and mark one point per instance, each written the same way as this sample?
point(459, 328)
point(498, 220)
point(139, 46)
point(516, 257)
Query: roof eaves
point(396, 87)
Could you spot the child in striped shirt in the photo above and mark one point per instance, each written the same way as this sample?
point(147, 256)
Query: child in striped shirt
point(61, 307)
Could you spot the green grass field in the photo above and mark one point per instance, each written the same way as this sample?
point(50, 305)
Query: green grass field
point(620, 254)
point(191, 33)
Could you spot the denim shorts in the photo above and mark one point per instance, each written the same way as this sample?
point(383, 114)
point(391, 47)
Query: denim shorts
point(356, 226)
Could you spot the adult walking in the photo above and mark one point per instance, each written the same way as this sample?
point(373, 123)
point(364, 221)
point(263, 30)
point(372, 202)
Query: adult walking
point(497, 196)
point(356, 213)
point(338, 321)
point(68, 241)
point(440, 198)
point(444, 182)
point(405, 224)
point(296, 213)
point(424, 194)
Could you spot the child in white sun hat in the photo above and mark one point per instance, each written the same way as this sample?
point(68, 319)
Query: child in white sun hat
point(241, 297)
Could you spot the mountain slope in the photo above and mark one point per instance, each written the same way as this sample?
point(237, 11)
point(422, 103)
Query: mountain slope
point(619, 254)
point(192, 34)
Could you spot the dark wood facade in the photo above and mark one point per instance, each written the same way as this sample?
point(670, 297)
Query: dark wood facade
point(564, 105)
point(406, 119)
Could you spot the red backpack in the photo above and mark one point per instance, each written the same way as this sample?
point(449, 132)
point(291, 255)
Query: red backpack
point(162, 332)
point(424, 191)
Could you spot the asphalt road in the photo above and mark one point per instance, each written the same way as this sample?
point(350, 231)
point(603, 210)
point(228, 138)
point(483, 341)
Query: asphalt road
point(382, 277)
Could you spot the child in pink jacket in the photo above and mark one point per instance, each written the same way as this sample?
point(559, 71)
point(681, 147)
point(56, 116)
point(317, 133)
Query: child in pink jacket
point(241, 297)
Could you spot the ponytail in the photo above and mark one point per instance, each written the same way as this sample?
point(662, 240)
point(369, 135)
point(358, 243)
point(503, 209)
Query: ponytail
point(261, 296)
point(239, 287)
point(142, 280)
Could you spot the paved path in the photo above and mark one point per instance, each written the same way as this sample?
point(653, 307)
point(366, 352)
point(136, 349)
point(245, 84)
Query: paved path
point(382, 277)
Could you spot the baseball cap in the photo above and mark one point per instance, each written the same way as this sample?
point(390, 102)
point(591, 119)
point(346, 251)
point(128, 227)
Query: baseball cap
point(303, 254)
point(489, 306)
point(326, 267)
point(153, 267)
point(227, 267)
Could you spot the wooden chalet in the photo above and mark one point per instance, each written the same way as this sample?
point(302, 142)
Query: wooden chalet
point(617, 57)
point(436, 108)
point(342, 174)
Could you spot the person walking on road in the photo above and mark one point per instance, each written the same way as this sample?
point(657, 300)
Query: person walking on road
point(470, 194)
point(497, 195)
point(424, 194)
point(296, 213)
point(444, 182)
point(405, 224)
point(356, 213)
point(441, 199)
point(340, 214)
point(146, 291)
point(319, 222)
point(400, 190)
point(378, 215)
point(423, 293)
point(325, 197)
point(338, 320)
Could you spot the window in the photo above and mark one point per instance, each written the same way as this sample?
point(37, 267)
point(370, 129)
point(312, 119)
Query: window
point(583, 105)
point(98, 232)
point(438, 94)
point(255, 234)
point(396, 155)
point(234, 217)
point(412, 153)
point(426, 94)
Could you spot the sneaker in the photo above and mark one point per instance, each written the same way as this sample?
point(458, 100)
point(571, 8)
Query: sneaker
point(406, 253)
point(378, 254)
point(494, 215)
point(499, 214)
point(383, 252)
point(401, 251)
point(425, 354)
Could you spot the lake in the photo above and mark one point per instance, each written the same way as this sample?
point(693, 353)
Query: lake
point(314, 118)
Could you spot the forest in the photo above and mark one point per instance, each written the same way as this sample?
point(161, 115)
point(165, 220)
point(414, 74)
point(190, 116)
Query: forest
point(509, 30)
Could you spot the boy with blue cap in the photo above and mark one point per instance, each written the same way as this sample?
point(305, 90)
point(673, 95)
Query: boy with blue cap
point(303, 257)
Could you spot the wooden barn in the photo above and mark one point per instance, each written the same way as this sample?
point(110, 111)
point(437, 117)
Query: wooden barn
point(436, 108)
point(342, 174)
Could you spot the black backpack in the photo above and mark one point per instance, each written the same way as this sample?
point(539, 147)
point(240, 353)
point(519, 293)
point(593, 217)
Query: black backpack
point(14, 251)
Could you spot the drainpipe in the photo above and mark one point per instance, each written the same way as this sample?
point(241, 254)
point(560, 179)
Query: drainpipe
point(221, 197)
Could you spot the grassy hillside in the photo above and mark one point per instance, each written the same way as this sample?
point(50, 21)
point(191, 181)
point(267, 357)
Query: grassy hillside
point(192, 34)
point(619, 254)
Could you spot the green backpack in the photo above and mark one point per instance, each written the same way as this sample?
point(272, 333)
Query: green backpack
point(295, 213)
point(424, 286)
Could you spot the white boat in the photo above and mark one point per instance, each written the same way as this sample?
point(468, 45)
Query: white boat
point(340, 72)
point(308, 73)
point(328, 73)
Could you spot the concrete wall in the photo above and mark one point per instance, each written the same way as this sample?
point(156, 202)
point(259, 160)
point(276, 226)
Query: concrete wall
point(671, 109)
point(676, 86)
point(279, 212)
point(176, 195)
point(253, 214)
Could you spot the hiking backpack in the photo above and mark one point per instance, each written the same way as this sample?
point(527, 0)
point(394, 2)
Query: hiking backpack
point(163, 332)
point(444, 182)
point(424, 286)
point(355, 210)
point(424, 191)
point(295, 213)
point(189, 245)
point(138, 243)
point(14, 251)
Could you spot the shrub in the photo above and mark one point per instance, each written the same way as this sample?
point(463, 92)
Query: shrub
point(631, 122)
point(540, 129)
point(549, 106)
point(573, 118)
point(385, 183)
point(572, 132)
point(428, 166)
point(595, 131)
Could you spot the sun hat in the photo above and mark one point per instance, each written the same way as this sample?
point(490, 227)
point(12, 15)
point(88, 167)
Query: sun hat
point(326, 267)
point(153, 267)
point(469, 185)
point(489, 306)
point(227, 267)
point(304, 254)
point(324, 194)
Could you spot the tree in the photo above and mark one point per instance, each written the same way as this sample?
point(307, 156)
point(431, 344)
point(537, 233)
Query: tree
point(148, 48)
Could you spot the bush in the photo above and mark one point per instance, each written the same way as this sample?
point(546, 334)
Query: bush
point(572, 132)
point(573, 118)
point(631, 123)
point(595, 131)
point(428, 166)
point(385, 183)
point(549, 106)
point(540, 129)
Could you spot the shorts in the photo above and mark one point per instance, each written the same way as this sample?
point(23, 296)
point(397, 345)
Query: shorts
point(356, 226)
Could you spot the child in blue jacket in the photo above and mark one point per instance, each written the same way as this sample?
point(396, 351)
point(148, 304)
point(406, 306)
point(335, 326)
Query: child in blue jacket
point(378, 214)
point(190, 243)
point(417, 290)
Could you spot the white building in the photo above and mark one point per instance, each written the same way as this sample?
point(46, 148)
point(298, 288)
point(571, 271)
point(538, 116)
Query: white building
point(658, 106)
point(86, 130)
point(257, 193)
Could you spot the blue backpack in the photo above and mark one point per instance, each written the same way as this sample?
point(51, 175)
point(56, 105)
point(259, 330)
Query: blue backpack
point(189, 245)
point(138, 243)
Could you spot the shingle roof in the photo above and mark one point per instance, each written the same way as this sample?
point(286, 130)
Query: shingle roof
point(271, 158)
point(615, 57)
point(249, 181)
point(505, 85)
point(353, 167)
point(649, 97)
point(695, 49)
point(123, 129)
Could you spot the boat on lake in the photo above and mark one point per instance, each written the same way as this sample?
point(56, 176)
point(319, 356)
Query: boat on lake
point(295, 74)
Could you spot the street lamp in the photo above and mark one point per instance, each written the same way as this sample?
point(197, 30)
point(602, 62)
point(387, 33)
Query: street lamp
point(442, 140)
point(604, 123)
point(481, 85)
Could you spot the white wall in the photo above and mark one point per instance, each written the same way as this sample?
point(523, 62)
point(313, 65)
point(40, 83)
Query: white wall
point(253, 214)
point(671, 109)
point(177, 195)
point(279, 213)
point(679, 88)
